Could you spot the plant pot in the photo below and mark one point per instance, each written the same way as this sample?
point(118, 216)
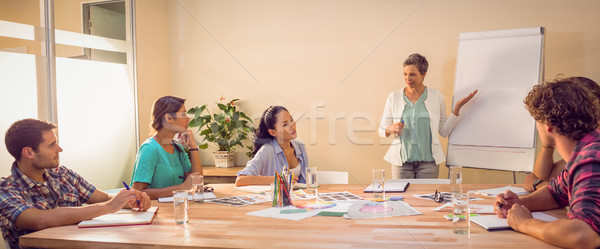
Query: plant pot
point(223, 159)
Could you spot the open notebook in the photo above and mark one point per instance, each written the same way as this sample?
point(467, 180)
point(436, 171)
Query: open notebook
point(495, 223)
point(123, 217)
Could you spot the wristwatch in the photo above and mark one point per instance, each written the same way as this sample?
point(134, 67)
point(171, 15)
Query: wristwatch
point(536, 183)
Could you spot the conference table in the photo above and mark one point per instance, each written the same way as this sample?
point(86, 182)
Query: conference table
point(222, 226)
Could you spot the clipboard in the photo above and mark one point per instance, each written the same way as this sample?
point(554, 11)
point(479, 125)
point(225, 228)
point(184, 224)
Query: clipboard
point(390, 187)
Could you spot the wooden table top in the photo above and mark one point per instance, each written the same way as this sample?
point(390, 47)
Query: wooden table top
point(215, 225)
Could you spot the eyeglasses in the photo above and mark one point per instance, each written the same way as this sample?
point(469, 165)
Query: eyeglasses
point(438, 197)
point(208, 189)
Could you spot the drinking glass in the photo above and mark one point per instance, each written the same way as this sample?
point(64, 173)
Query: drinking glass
point(311, 181)
point(456, 179)
point(198, 188)
point(379, 184)
point(180, 206)
point(461, 213)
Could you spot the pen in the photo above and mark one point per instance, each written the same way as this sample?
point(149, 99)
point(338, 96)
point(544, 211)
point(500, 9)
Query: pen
point(499, 207)
point(127, 187)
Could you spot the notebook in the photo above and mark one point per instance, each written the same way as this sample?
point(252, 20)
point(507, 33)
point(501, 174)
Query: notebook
point(390, 187)
point(123, 217)
point(495, 223)
point(496, 191)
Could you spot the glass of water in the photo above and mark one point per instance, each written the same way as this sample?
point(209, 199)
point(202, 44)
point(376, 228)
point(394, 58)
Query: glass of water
point(198, 188)
point(379, 184)
point(461, 213)
point(311, 181)
point(456, 179)
point(180, 206)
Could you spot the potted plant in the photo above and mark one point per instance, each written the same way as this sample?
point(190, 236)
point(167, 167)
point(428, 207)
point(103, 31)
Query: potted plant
point(223, 130)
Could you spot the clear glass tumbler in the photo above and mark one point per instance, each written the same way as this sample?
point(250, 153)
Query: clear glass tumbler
point(379, 184)
point(198, 188)
point(180, 206)
point(456, 179)
point(461, 214)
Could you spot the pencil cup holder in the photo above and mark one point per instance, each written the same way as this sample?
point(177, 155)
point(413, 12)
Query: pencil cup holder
point(282, 196)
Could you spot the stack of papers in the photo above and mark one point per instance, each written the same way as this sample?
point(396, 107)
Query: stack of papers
point(371, 209)
point(261, 189)
point(255, 189)
point(445, 195)
point(207, 196)
point(242, 200)
point(475, 208)
point(492, 192)
point(294, 213)
point(327, 197)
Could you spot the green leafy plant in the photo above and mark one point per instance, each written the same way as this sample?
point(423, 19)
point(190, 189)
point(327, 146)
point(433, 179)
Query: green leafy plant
point(225, 130)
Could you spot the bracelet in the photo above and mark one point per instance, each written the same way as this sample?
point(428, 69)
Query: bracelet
point(194, 149)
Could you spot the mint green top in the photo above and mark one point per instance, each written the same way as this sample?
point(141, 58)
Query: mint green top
point(416, 136)
point(158, 168)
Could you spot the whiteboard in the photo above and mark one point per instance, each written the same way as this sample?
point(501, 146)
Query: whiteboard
point(496, 132)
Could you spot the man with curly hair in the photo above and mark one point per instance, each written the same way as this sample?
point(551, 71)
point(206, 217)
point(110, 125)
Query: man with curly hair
point(545, 168)
point(566, 115)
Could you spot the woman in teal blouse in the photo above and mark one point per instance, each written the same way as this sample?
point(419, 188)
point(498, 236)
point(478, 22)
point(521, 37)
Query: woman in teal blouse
point(162, 165)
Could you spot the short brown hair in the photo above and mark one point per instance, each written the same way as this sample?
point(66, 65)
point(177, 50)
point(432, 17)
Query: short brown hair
point(26, 133)
point(418, 61)
point(566, 105)
point(163, 106)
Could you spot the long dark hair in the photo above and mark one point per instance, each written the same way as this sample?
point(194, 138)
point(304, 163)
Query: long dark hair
point(267, 121)
point(161, 107)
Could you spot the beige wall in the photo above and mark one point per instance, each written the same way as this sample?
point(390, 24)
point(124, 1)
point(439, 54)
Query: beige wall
point(152, 57)
point(20, 12)
point(332, 63)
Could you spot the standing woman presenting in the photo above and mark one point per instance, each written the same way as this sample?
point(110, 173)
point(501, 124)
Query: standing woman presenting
point(415, 115)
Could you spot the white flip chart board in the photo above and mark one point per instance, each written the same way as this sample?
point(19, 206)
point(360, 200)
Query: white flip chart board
point(497, 131)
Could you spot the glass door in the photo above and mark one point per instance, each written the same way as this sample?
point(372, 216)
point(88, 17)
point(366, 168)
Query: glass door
point(91, 83)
